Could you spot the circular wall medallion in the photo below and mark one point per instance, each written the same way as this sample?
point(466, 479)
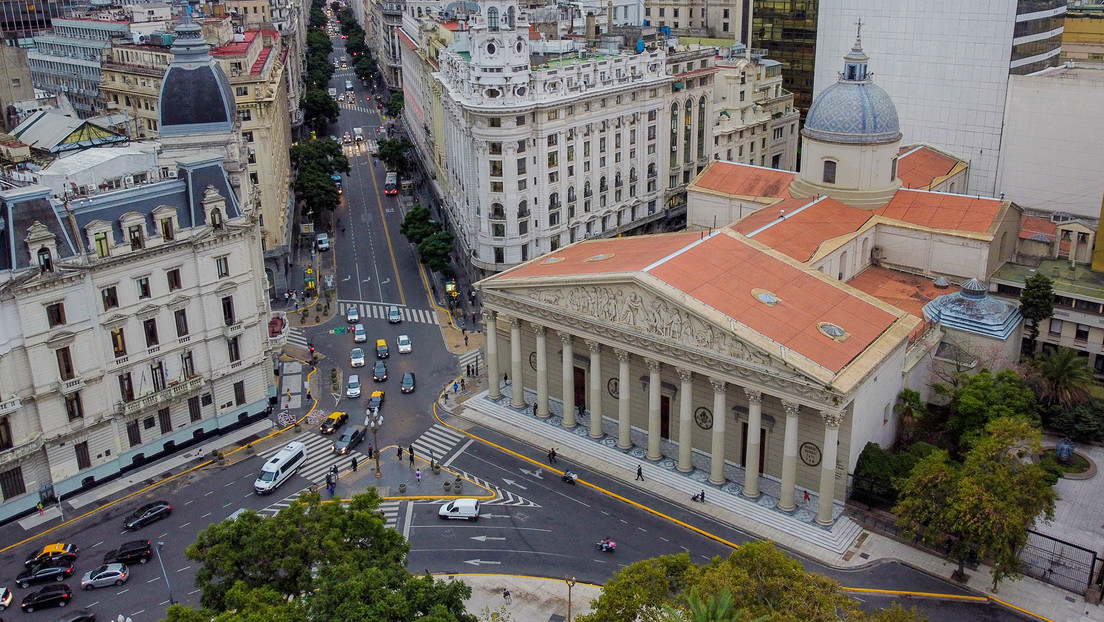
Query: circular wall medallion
point(703, 417)
point(491, 49)
point(810, 454)
point(614, 387)
point(533, 360)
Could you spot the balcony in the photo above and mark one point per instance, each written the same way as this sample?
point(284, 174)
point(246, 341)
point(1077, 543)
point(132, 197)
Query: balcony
point(71, 385)
point(278, 328)
point(233, 330)
point(9, 406)
point(169, 394)
point(19, 452)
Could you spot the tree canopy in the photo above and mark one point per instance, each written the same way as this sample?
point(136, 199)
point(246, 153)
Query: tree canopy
point(757, 581)
point(985, 397)
point(1036, 304)
point(315, 163)
point(393, 153)
point(395, 105)
point(314, 561)
point(1061, 376)
point(985, 506)
point(319, 110)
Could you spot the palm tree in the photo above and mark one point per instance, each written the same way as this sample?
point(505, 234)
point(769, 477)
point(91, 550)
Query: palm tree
point(911, 409)
point(715, 608)
point(1062, 377)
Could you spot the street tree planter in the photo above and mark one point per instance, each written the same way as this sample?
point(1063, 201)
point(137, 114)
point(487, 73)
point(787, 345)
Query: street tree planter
point(447, 486)
point(402, 489)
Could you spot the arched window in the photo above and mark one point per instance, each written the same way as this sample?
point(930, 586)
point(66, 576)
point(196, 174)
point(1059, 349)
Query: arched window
point(893, 170)
point(498, 212)
point(617, 180)
point(586, 189)
point(701, 127)
point(523, 208)
point(571, 194)
point(216, 218)
point(492, 19)
point(687, 129)
point(829, 172)
point(510, 17)
point(674, 134)
point(602, 187)
point(44, 260)
point(554, 200)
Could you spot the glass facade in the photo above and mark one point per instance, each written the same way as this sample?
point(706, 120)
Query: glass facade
point(787, 30)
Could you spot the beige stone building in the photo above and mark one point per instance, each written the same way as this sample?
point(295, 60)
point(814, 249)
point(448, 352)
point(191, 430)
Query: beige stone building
point(756, 121)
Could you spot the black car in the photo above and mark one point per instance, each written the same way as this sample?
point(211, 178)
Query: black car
point(379, 374)
point(130, 552)
point(80, 615)
point(350, 438)
point(49, 596)
point(147, 514)
point(43, 573)
point(407, 385)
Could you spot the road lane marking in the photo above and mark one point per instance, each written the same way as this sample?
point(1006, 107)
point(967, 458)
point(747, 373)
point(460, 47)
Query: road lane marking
point(184, 525)
point(184, 568)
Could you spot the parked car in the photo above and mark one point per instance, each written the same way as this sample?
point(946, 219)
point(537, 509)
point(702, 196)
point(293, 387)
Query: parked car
point(356, 357)
point(350, 438)
point(58, 551)
point(129, 552)
point(376, 400)
point(333, 422)
point(80, 615)
point(148, 513)
point(407, 384)
point(352, 314)
point(108, 574)
point(328, 282)
point(50, 596)
point(393, 315)
point(46, 571)
point(405, 346)
point(6, 597)
point(381, 349)
point(359, 334)
point(323, 241)
point(379, 373)
point(352, 386)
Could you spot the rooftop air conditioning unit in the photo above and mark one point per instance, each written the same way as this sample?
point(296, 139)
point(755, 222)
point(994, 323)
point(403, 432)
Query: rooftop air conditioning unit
point(91, 188)
point(172, 173)
point(129, 181)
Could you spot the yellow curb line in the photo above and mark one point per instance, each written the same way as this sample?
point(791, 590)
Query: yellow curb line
point(510, 576)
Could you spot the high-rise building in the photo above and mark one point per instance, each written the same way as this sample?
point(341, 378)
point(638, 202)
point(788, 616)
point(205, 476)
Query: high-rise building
point(787, 30)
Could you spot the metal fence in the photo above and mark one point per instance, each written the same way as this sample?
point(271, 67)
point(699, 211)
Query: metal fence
point(1057, 562)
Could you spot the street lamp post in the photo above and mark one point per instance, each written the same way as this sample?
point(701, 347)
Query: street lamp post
point(374, 420)
point(164, 573)
point(570, 584)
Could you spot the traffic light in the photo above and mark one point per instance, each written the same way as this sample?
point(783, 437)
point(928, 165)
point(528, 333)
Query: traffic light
point(312, 348)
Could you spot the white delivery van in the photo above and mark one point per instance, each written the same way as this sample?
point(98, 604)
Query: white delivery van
point(280, 467)
point(464, 509)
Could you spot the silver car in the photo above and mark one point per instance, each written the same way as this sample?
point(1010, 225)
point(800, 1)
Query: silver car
point(108, 574)
point(353, 387)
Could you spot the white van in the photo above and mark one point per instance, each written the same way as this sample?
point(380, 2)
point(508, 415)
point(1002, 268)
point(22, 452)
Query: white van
point(280, 467)
point(466, 509)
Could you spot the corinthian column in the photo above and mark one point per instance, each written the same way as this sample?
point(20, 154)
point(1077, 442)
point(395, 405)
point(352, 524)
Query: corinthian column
point(595, 388)
point(568, 379)
point(789, 458)
point(686, 404)
point(542, 372)
point(655, 421)
point(832, 421)
point(494, 389)
point(518, 393)
point(755, 424)
point(717, 452)
point(624, 417)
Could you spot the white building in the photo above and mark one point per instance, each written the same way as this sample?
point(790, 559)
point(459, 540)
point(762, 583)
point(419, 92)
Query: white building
point(946, 64)
point(757, 122)
point(555, 140)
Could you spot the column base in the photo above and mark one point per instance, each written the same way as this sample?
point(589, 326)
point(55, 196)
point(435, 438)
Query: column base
point(688, 470)
point(720, 483)
point(599, 435)
point(753, 497)
point(787, 509)
point(825, 524)
point(544, 415)
point(654, 457)
point(626, 446)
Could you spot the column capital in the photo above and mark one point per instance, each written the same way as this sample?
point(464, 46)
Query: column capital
point(622, 355)
point(832, 418)
point(539, 330)
point(490, 315)
point(719, 385)
point(653, 365)
point(565, 338)
point(685, 375)
point(791, 408)
point(515, 322)
point(753, 396)
point(594, 346)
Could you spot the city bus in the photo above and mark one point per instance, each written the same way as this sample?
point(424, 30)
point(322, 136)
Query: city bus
point(391, 186)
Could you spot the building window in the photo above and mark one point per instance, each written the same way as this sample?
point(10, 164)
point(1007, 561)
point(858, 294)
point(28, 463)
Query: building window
point(65, 363)
point(829, 171)
point(181, 316)
point(118, 342)
point(239, 393)
point(499, 254)
point(1082, 333)
point(44, 260)
point(165, 420)
point(233, 349)
point(222, 266)
point(11, 483)
point(102, 247)
point(494, 122)
point(496, 168)
point(6, 441)
point(241, 91)
point(84, 460)
point(187, 365)
point(134, 234)
point(492, 19)
point(228, 310)
point(1056, 327)
point(150, 328)
point(73, 406)
point(174, 279)
point(126, 387)
point(110, 297)
point(167, 232)
point(194, 413)
point(55, 314)
point(143, 286)
point(134, 435)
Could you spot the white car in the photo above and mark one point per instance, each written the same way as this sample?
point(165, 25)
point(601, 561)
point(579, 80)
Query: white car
point(405, 346)
point(352, 388)
point(322, 241)
point(393, 315)
point(359, 334)
point(352, 314)
point(356, 357)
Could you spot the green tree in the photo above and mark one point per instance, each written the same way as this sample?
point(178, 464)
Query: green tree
point(418, 225)
point(984, 397)
point(911, 410)
point(393, 152)
point(985, 506)
point(1036, 305)
point(435, 251)
point(395, 105)
point(1061, 376)
point(319, 110)
point(315, 561)
point(317, 18)
point(324, 153)
point(366, 69)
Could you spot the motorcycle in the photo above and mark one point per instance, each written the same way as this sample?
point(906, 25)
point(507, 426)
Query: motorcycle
point(606, 546)
point(570, 477)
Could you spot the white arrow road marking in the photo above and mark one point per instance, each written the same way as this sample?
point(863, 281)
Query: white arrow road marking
point(477, 562)
point(494, 516)
point(485, 538)
point(536, 474)
point(511, 482)
point(347, 278)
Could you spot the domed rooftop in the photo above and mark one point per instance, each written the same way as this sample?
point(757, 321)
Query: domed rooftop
point(853, 110)
point(972, 309)
point(195, 95)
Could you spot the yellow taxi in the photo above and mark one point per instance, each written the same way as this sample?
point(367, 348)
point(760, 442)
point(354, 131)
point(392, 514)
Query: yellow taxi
point(381, 349)
point(333, 422)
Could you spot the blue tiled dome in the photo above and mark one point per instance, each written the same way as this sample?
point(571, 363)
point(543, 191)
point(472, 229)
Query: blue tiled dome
point(853, 110)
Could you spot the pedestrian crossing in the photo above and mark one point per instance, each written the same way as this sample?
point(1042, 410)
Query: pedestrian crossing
point(319, 457)
point(472, 357)
point(502, 497)
point(378, 310)
point(436, 442)
point(296, 337)
point(389, 509)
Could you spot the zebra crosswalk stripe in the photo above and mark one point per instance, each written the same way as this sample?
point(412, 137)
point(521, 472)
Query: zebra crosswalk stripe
point(319, 457)
point(378, 311)
point(389, 509)
point(297, 337)
point(437, 441)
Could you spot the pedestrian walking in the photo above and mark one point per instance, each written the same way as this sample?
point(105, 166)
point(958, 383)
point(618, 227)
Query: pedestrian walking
point(354, 464)
point(418, 475)
point(411, 459)
point(639, 473)
point(506, 379)
point(581, 410)
point(410, 450)
point(462, 384)
point(552, 455)
point(335, 472)
point(41, 509)
point(455, 387)
point(370, 452)
point(399, 453)
point(469, 371)
point(806, 500)
point(465, 340)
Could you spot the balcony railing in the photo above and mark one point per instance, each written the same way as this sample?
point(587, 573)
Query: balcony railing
point(21, 451)
point(170, 393)
point(233, 330)
point(9, 406)
point(71, 385)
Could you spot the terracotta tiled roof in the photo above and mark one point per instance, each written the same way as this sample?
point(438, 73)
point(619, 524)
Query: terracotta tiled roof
point(943, 211)
point(405, 38)
point(907, 292)
point(919, 167)
point(238, 47)
point(258, 65)
point(628, 255)
point(807, 224)
point(744, 180)
point(1030, 226)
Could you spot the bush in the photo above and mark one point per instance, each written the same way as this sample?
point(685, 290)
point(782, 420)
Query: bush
point(880, 473)
point(1082, 423)
point(1053, 470)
